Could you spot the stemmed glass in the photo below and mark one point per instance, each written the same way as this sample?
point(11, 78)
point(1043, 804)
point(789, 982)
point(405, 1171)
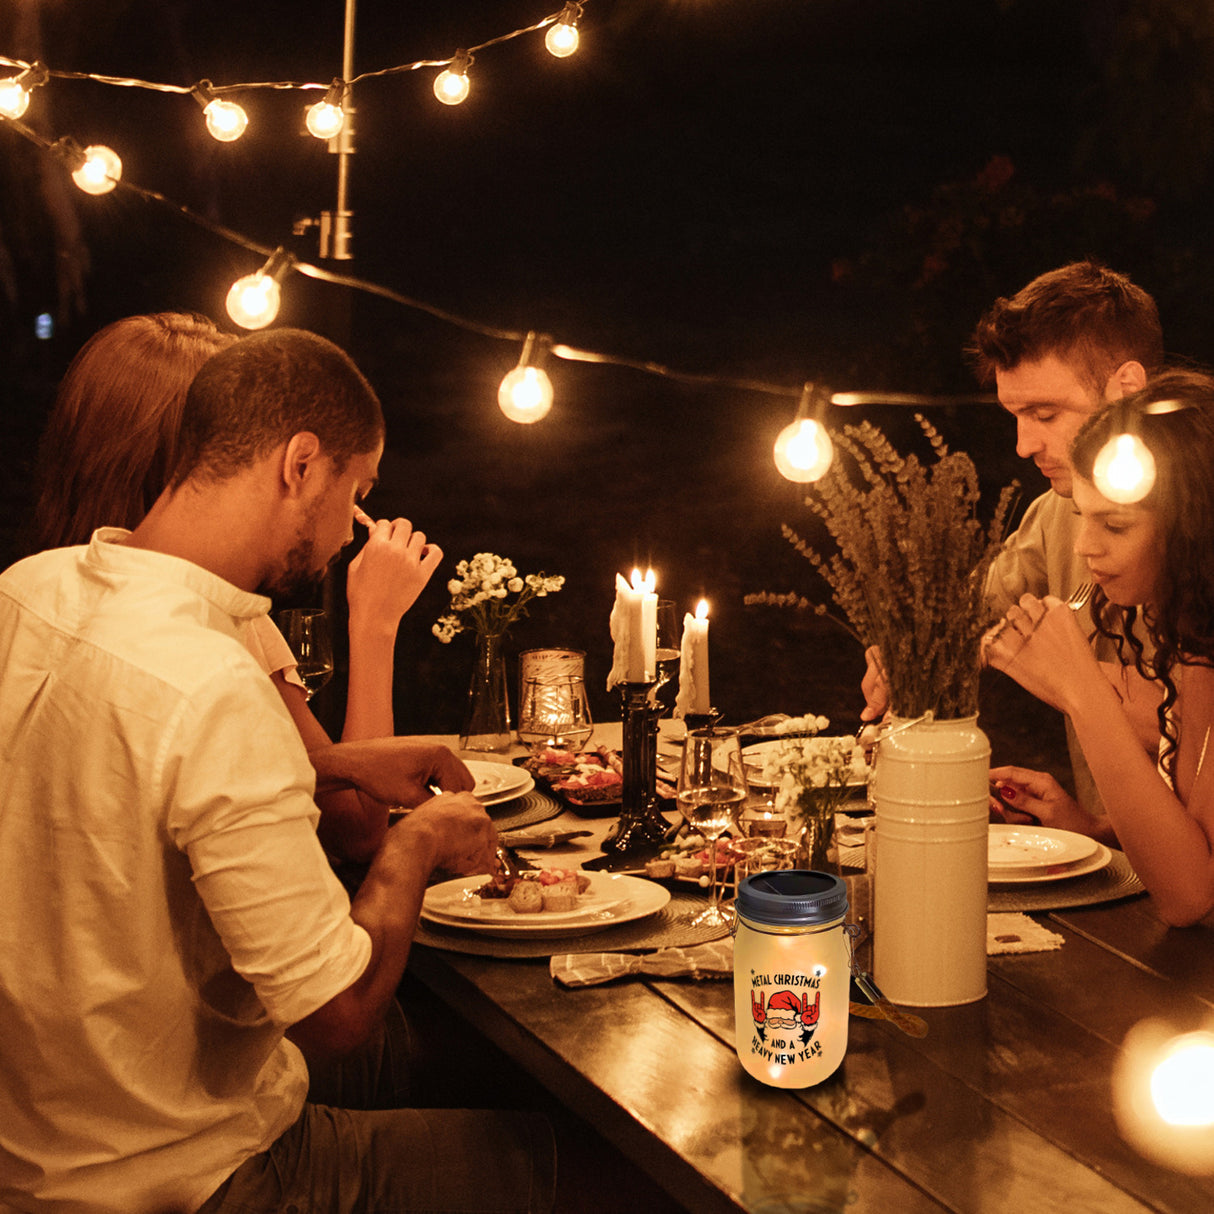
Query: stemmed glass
point(554, 711)
point(666, 655)
point(711, 791)
point(307, 632)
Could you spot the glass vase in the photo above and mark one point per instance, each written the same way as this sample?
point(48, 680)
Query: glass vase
point(817, 850)
point(487, 720)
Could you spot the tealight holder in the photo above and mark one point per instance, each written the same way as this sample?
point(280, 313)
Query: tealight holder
point(641, 823)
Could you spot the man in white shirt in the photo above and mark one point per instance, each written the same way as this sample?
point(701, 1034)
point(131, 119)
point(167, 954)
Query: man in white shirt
point(1057, 351)
point(171, 935)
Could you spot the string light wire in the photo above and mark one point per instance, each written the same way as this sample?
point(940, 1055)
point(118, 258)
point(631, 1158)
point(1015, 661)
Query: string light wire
point(37, 73)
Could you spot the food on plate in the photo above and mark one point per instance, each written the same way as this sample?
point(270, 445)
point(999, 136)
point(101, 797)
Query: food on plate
point(660, 869)
point(591, 777)
point(690, 857)
point(550, 889)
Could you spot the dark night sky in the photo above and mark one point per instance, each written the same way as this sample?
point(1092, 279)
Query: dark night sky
point(777, 189)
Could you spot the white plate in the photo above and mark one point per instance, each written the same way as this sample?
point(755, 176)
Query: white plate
point(612, 899)
point(754, 757)
point(498, 781)
point(1011, 847)
point(1099, 859)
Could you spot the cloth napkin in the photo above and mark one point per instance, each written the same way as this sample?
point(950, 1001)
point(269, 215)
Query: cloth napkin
point(711, 960)
point(1012, 932)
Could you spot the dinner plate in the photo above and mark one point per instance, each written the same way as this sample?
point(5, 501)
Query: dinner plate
point(1012, 847)
point(496, 782)
point(1099, 859)
point(611, 899)
point(754, 756)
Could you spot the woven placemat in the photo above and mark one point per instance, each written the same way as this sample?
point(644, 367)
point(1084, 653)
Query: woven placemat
point(1116, 880)
point(530, 808)
point(664, 929)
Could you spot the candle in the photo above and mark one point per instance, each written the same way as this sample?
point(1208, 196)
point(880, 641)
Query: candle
point(694, 696)
point(634, 629)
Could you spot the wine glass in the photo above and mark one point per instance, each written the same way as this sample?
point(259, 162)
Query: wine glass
point(666, 656)
point(307, 632)
point(554, 712)
point(711, 790)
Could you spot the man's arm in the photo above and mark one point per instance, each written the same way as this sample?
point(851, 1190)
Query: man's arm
point(451, 832)
point(397, 771)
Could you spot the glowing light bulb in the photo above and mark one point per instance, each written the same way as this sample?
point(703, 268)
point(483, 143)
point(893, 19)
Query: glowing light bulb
point(100, 172)
point(226, 120)
point(452, 85)
point(14, 97)
point(1124, 470)
point(253, 300)
point(561, 39)
point(1182, 1084)
point(525, 395)
point(803, 451)
point(325, 120)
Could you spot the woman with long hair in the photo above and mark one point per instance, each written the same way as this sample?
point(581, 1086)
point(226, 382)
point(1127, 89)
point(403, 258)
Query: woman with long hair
point(1145, 727)
point(107, 453)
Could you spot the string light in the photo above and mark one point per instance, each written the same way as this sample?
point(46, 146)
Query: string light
point(15, 90)
point(1124, 470)
point(96, 170)
point(562, 37)
point(451, 86)
point(253, 300)
point(226, 121)
point(526, 392)
point(1163, 1095)
point(803, 450)
point(325, 119)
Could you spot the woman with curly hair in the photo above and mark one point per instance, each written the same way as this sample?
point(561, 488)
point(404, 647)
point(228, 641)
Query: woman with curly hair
point(1145, 728)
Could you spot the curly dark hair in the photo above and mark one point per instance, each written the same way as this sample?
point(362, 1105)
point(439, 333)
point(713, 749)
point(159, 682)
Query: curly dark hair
point(1086, 314)
point(1174, 417)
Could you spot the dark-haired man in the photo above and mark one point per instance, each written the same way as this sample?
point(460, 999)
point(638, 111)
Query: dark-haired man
point(1057, 351)
point(169, 917)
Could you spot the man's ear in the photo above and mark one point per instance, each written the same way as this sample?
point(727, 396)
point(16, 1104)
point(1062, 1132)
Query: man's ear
point(1129, 378)
point(300, 462)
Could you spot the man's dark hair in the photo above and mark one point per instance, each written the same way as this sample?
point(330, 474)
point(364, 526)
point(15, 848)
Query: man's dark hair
point(265, 388)
point(1084, 313)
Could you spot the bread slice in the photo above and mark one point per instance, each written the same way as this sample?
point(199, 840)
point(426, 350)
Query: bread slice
point(526, 898)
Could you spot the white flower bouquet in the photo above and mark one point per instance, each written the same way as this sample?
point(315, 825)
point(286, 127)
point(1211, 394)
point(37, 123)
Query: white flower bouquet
point(488, 595)
point(812, 776)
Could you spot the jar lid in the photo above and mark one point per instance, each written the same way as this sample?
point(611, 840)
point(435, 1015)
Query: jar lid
point(793, 897)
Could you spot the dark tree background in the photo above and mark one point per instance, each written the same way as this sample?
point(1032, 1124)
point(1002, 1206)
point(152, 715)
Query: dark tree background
point(766, 189)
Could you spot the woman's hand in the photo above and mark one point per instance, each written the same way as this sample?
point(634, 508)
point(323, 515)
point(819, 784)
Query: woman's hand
point(389, 573)
point(1040, 645)
point(1035, 796)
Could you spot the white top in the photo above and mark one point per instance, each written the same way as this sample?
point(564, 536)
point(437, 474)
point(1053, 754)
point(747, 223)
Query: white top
point(167, 907)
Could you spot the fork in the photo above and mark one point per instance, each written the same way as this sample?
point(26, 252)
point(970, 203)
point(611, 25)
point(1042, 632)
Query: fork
point(1080, 596)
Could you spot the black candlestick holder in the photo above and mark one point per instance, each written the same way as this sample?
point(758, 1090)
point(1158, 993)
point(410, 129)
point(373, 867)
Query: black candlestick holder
point(702, 720)
point(641, 824)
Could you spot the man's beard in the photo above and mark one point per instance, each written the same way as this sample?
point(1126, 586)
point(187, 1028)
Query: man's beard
point(297, 575)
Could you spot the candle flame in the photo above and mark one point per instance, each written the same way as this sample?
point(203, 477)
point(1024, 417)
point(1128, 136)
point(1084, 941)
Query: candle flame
point(637, 583)
point(650, 582)
point(702, 609)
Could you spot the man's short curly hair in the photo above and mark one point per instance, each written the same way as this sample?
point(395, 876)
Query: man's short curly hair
point(263, 389)
point(1087, 315)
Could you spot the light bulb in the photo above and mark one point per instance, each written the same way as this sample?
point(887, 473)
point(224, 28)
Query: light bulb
point(226, 120)
point(100, 172)
point(525, 395)
point(253, 300)
point(561, 39)
point(1124, 470)
point(325, 120)
point(14, 97)
point(803, 451)
point(1182, 1083)
point(452, 86)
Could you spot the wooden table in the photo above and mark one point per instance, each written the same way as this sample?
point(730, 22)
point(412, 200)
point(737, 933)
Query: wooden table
point(1005, 1105)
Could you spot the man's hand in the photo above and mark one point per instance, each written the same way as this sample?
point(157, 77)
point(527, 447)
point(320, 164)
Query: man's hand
point(392, 569)
point(396, 771)
point(458, 834)
point(874, 685)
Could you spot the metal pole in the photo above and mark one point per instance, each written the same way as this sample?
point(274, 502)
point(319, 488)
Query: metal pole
point(335, 224)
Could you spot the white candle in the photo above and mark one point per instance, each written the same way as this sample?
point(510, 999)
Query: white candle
point(694, 695)
point(634, 629)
